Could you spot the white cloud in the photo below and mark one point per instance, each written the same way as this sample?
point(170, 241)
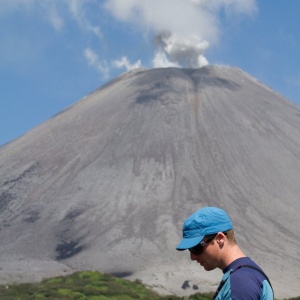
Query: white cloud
point(176, 16)
point(125, 63)
point(183, 29)
point(55, 19)
point(46, 7)
point(94, 61)
point(8, 6)
point(78, 11)
point(58, 13)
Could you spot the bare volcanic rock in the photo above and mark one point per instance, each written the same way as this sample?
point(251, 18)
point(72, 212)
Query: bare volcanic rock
point(107, 183)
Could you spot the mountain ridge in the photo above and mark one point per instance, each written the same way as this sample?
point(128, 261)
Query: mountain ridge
point(124, 166)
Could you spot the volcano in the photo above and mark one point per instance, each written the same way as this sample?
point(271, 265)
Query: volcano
point(107, 183)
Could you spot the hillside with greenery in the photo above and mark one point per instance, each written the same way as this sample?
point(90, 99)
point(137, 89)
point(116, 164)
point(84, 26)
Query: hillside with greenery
point(88, 286)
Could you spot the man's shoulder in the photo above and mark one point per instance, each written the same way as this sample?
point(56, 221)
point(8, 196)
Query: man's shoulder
point(247, 278)
point(244, 269)
point(244, 279)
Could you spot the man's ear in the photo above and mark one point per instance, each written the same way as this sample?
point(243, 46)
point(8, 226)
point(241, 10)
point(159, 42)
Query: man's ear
point(220, 238)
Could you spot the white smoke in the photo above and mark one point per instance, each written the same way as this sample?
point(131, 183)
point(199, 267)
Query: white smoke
point(95, 62)
point(182, 50)
point(183, 29)
point(125, 63)
point(79, 12)
point(160, 60)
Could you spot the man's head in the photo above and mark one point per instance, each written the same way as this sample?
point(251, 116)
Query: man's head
point(204, 222)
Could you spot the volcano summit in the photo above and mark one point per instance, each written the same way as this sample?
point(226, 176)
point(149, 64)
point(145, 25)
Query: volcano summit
point(107, 183)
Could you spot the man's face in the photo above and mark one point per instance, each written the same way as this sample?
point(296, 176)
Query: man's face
point(208, 259)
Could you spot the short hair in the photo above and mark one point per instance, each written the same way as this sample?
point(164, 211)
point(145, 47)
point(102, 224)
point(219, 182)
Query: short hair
point(231, 237)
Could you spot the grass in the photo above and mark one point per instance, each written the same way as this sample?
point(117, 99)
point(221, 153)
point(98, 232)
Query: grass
point(88, 285)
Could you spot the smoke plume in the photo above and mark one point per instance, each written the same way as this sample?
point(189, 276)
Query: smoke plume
point(182, 30)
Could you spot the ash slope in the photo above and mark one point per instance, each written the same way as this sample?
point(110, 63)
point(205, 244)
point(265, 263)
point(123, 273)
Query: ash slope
point(107, 183)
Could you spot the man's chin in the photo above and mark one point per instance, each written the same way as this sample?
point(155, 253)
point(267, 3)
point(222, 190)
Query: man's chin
point(206, 267)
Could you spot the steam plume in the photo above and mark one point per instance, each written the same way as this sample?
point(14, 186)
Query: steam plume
point(183, 29)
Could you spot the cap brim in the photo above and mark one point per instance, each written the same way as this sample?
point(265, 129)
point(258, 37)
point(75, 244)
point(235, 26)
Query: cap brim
point(187, 243)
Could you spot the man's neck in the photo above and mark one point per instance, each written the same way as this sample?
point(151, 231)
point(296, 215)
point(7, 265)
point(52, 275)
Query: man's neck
point(232, 253)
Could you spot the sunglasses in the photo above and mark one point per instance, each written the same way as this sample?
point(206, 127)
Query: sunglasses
point(198, 249)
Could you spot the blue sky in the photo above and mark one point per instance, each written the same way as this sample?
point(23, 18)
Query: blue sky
point(54, 52)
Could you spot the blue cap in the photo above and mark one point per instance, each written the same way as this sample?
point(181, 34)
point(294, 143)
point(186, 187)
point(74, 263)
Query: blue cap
point(205, 221)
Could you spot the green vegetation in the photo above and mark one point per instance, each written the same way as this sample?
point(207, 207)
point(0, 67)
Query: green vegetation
point(85, 286)
point(88, 286)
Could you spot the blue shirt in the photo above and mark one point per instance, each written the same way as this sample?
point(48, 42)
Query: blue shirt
point(244, 283)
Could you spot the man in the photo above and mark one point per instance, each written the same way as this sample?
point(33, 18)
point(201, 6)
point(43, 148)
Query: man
point(208, 235)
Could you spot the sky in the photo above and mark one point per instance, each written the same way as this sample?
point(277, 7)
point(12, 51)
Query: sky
point(55, 52)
